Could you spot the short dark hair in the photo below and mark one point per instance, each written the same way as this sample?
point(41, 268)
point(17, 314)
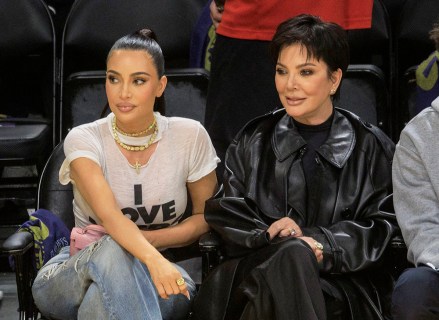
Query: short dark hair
point(323, 40)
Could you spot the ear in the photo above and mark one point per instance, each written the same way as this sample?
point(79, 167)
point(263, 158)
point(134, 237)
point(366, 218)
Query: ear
point(336, 78)
point(161, 87)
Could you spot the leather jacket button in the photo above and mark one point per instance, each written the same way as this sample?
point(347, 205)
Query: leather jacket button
point(346, 213)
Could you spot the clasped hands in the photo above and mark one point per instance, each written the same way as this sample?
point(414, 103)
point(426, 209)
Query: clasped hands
point(287, 227)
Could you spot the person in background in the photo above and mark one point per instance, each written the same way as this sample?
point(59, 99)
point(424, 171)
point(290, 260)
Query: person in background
point(416, 203)
point(240, 85)
point(299, 217)
point(131, 173)
point(427, 76)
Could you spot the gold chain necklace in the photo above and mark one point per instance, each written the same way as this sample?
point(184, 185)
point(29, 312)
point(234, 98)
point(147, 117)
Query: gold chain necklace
point(135, 148)
point(135, 134)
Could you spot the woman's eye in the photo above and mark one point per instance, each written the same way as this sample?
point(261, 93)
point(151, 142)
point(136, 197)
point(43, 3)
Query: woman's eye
point(280, 71)
point(306, 72)
point(112, 79)
point(139, 81)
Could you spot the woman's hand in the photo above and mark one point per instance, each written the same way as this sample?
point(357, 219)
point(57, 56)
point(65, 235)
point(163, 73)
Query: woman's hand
point(284, 227)
point(315, 246)
point(215, 14)
point(165, 275)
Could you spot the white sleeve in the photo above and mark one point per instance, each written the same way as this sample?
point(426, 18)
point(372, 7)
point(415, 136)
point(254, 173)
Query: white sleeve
point(203, 158)
point(80, 142)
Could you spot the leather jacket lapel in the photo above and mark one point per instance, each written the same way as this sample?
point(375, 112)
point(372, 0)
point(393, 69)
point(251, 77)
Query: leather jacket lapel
point(288, 146)
point(286, 140)
point(340, 143)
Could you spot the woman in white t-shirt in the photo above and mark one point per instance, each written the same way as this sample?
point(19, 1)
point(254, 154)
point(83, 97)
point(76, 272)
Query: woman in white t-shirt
point(131, 173)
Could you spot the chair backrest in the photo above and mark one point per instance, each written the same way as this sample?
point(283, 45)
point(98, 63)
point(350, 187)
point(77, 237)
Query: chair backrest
point(27, 59)
point(394, 8)
point(364, 92)
point(374, 45)
point(407, 100)
point(84, 99)
point(186, 93)
point(52, 195)
point(409, 93)
point(27, 88)
point(93, 26)
point(369, 80)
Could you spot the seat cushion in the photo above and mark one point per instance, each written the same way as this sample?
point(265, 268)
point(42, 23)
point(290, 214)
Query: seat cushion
point(24, 140)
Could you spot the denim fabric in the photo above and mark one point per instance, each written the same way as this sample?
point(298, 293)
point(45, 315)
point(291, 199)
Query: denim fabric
point(104, 281)
point(416, 295)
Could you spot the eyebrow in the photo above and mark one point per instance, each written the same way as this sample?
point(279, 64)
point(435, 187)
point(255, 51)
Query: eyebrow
point(299, 66)
point(133, 74)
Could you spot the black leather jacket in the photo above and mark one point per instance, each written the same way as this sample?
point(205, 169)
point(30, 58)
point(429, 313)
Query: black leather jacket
point(264, 181)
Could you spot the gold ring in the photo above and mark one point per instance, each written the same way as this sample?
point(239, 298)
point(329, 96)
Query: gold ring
point(180, 281)
point(318, 245)
point(292, 231)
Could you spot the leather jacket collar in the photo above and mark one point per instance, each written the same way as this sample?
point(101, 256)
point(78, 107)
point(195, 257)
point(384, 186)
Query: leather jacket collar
point(286, 140)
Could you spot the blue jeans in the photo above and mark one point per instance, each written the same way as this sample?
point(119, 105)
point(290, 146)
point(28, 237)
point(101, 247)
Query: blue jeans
point(104, 281)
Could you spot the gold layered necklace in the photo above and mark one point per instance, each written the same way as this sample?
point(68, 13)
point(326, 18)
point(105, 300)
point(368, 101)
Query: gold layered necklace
point(134, 147)
point(128, 147)
point(135, 134)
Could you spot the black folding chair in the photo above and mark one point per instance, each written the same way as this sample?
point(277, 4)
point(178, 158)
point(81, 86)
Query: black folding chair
point(27, 86)
point(364, 92)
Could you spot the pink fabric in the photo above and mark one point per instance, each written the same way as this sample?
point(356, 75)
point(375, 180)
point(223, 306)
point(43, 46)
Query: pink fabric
point(82, 237)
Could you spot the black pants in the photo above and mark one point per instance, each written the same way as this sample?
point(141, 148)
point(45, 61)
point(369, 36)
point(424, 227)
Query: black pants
point(280, 282)
point(241, 87)
point(416, 295)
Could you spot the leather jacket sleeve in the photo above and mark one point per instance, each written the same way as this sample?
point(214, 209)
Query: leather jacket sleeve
point(231, 214)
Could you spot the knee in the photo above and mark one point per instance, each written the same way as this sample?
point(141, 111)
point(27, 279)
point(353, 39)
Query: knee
point(416, 294)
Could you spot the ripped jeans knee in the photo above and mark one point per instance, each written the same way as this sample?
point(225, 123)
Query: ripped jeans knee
point(61, 286)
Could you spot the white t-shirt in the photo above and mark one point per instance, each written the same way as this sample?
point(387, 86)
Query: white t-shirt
point(155, 197)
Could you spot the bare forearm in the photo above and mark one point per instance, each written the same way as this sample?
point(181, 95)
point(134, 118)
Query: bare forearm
point(88, 178)
point(128, 235)
point(180, 235)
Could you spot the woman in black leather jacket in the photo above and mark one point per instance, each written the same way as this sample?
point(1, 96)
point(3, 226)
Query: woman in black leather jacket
point(299, 214)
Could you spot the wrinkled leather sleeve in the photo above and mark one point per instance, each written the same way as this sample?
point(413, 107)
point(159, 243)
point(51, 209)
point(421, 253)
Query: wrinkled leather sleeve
point(233, 216)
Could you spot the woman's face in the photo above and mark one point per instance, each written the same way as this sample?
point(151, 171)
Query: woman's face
point(132, 85)
point(304, 85)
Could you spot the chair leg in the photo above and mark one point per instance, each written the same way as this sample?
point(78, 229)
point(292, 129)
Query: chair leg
point(210, 259)
point(24, 273)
